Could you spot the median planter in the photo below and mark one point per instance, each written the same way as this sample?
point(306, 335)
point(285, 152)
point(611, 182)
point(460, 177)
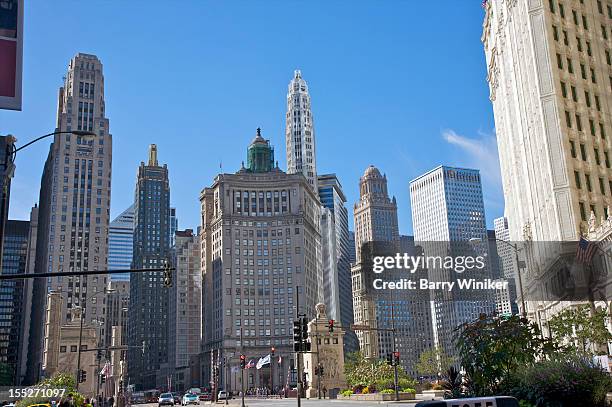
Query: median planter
point(433, 393)
point(377, 396)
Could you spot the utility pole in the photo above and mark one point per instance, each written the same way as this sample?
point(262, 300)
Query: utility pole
point(297, 354)
point(395, 353)
point(242, 366)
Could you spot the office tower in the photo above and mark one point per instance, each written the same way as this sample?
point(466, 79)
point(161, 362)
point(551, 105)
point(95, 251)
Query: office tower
point(13, 306)
point(185, 304)
point(549, 78)
point(334, 228)
point(148, 311)
point(507, 258)
point(550, 85)
point(299, 131)
point(173, 225)
point(121, 244)
point(117, 307)
point(375, 213)
point(376, 224)
point(25, 356)
point(7, 169)
point(447, 215)
point(74, 203)
point(260, 240)
point(351, 248)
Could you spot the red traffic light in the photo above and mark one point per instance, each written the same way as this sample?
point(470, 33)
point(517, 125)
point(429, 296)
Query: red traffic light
point(242, 357)
point(272, 350)
point(330, 325)
point(396, 355)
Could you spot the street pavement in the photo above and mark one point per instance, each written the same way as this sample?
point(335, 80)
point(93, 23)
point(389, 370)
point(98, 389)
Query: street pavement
point(251, 402)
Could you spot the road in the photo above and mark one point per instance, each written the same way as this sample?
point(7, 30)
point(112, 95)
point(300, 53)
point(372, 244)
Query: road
point(249, 402)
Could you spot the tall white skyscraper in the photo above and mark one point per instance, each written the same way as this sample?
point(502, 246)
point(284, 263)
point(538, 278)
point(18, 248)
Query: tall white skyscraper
point(549, 73)
point(299, 132)
point(448, 211)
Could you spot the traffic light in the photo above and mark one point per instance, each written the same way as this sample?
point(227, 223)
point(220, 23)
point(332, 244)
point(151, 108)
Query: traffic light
point(389, 359)
point(330, 325)
point(396, 357)
point(167, 274)
point(297, 335)
point(242, 361)
point(272, 352)
point(304, 328)
point(99, 354)
point(316, 372)
point(306, 346)
point(321, 370)
point(82, 376)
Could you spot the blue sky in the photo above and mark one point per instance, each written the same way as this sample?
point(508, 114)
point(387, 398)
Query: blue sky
point(398, 84)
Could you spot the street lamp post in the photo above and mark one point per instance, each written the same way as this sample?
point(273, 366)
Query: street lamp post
point(518, 267)
point(83, 308)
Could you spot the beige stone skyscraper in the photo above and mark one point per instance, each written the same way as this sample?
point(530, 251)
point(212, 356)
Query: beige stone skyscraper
point(75, 192)
point(550, 77)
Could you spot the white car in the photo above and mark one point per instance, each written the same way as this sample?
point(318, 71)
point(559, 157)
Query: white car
point(222, 395)
point(190, 398)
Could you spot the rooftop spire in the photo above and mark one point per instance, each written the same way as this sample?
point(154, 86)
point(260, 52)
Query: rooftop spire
point(153, 155)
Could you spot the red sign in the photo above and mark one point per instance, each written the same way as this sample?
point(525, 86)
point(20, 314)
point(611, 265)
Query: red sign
point(11, 53)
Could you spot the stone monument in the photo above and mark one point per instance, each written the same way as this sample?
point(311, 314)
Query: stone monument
point(326, 352)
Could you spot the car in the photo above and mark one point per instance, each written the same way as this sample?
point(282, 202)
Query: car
point(165, 399)
point(223, 395)
point(177, 398)
point(190, 398)
point(205, 397)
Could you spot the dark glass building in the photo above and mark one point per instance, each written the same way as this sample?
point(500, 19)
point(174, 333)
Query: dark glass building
point(148, 311)
point(12, 297)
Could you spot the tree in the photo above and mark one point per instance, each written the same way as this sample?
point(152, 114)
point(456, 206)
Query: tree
point(582, 326)
point(58, 381)
point(492, 348)
point(363, 372)
point(433, 362)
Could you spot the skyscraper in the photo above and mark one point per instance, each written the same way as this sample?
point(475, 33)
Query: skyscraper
point(185, 306)
point(548, 66)
point(75, 197)
point(121, 243)
point(375, 213)
point(447, 213)
point(408, 313)
point(148, 313)
point(507, 258)
point(260, 240)
point(299, 131)
point(12, 302)
point(336, 262)
point(549, 77)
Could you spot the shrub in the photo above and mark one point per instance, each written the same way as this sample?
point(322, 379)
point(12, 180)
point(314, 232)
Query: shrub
point(553, 383)
point(387, 391)
point(427, 385)
point(406, 382)
point(409, 390)
point(437, 386)
point(347, 392)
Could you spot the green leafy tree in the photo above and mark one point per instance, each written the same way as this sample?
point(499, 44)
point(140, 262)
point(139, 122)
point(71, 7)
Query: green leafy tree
point(58, 381)
point(493, 347)
point(584, 327)
point(434, 362)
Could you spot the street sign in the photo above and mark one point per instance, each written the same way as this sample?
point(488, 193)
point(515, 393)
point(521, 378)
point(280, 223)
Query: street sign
point(357, 327)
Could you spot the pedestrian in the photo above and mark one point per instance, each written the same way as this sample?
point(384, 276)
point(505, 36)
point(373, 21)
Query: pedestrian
point(111, 401)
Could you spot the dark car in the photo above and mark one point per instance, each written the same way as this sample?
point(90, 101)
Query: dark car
point(177, 398)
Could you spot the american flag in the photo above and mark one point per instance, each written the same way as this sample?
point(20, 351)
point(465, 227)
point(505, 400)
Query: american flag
point(250, 365)
point(586, 250)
